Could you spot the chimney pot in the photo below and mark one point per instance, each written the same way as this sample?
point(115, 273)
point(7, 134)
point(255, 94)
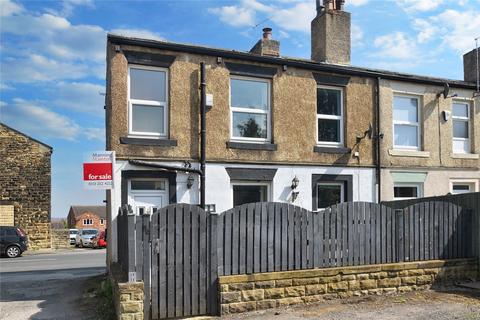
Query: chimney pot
point(267, 46)
point(267, 33)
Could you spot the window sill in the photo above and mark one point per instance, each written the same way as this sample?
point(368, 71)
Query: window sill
point(409, 153)
point(251, 146)
point(148, 142)
point(338, 150)
point(465, 155)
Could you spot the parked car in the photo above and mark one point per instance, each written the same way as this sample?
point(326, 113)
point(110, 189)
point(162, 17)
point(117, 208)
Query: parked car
point(100, 241)
point(84, 237)
point(13, 241)
point(73, 235)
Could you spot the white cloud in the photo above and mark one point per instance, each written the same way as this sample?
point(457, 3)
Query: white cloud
point(396, 45)
point(235, 16)
point(138, 33)
point(40, 121)
point(356, 35)
point(36, 67)
point(357, 3)
point(79, 96)
point(8, 8)
point(419, 5)
point(456, 30)
point(296, 18)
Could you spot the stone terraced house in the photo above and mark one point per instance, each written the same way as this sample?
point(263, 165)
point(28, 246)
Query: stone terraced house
point(25, 185)
point(219, 128)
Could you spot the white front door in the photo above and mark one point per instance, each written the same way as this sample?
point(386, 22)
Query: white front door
point(147, 195)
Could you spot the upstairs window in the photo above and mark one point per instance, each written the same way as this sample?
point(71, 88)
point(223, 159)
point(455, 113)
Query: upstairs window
point(87, 222)
point(330, 116)
point(461, 124)
point(148, 101)
point(250, 109)
point(406, 124)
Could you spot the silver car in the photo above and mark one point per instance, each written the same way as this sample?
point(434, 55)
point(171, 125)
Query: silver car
point(84, 237)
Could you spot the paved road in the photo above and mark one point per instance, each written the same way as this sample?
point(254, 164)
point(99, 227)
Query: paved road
point(48, 286)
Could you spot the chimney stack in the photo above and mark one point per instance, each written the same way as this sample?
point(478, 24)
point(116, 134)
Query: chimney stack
point(266, 46)
point(331, 33)
point(470, 68)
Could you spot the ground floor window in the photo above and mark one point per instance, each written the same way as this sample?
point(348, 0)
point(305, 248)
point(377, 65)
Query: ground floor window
point(248, 192)
point(330, 193)
point(458, 188)
point(402, 191)
point(87, 222)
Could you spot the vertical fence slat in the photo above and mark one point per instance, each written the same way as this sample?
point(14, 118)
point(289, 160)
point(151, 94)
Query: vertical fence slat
point(297, 232)
point(351, 232)
point(327, 226)
point(344, 234)
point(338, 235)
point(356, 234)
point(227, 251)
point(291, 242)
point(284, 237)
point(202, 261)
point(310, 243)
point(367, 233)
point(187, 267)
point(242, 239)
point(195, 259)
point(277, 237)
point(147, 266)
point(264, 239)
point(250, 235)
point(235, 239)
point(303, 235)
point(171, 262)
point(257, 238)
point(270, 238)
point(378, 235)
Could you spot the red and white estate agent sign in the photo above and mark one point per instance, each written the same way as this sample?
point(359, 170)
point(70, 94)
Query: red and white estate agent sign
point(98, 170)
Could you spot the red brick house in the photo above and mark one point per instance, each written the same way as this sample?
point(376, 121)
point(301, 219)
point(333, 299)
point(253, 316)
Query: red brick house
point(87, 217)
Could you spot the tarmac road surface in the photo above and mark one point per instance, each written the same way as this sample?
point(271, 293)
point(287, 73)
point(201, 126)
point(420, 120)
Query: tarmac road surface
point(48, 286)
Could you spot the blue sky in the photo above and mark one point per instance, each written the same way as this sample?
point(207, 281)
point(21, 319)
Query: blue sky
point(53, 56)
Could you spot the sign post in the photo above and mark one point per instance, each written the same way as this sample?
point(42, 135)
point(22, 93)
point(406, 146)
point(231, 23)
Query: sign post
point(98, 170)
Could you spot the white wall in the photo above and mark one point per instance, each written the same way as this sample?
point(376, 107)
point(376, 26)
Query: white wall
point(219, 189)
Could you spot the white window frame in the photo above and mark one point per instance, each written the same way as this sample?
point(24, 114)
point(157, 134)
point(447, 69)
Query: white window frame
point(408, 123)
point(418, 186)
point(247, 110)
point(154, 103)
point(331, 117)
point(102, 221)
point(342, 190)
point(473, 183)
point(252, 183)
point(89, 222)
point(466, 141)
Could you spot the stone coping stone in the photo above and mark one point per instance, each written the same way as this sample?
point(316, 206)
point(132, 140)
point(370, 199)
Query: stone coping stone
point(279, 275)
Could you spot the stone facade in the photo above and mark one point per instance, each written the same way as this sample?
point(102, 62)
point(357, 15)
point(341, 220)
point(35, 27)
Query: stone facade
point(127, 297)
point(276, 289)
point(25, 184)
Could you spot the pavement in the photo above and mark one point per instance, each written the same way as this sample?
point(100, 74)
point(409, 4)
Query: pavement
point(48, 286)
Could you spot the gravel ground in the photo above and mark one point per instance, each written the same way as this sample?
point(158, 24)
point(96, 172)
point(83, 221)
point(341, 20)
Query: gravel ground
point(449, 304)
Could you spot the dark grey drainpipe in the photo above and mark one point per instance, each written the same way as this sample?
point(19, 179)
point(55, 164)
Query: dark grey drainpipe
point(203, 130)
point(378, 137)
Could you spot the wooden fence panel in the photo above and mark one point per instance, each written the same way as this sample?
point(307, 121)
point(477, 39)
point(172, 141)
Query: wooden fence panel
point(181, 250)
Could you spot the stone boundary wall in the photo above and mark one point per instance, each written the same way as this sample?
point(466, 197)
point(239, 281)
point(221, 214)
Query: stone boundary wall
point(60, 238)
point(39, 235)
point(127, 297)
point(241, 293)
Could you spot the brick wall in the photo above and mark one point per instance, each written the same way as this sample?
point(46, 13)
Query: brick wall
point(275, 289)
point(95, 219)
point(25, 184)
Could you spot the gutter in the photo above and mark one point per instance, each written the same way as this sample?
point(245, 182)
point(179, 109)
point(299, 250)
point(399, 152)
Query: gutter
point(163, 166)
point(309, 65)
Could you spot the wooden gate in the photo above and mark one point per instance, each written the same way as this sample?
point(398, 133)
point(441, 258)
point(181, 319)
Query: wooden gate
point(183, 273)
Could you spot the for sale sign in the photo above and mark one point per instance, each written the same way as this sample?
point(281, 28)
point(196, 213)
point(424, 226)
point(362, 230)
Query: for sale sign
point(98, 170)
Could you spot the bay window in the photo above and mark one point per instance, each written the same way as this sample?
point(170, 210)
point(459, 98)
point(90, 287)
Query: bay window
point(329, 116)
point(148, 101)
point(250, 109)
point(406, 122)
point(461, 123)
